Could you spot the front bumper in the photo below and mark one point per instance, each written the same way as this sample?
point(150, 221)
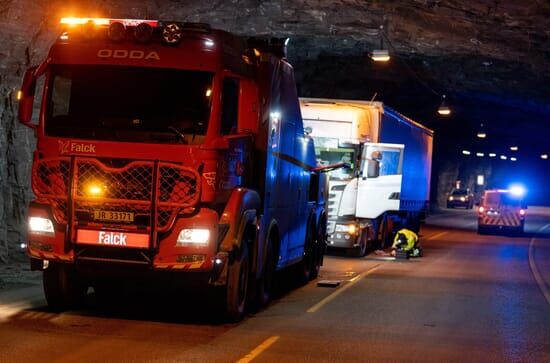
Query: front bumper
point(342, 240)
point(458, 203)
point(162, 255)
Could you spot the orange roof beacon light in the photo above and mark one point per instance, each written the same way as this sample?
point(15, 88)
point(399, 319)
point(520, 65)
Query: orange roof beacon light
point(116, 28)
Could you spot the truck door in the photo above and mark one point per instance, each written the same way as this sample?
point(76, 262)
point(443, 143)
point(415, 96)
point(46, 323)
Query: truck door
point(380, 179)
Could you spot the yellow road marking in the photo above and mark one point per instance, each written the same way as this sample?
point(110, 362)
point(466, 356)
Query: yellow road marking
point(259, 349)
point(536, 274)
point(332, 296)
point(437, 235)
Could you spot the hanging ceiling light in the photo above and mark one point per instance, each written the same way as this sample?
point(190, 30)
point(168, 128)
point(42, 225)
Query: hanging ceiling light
point(382, 54)
point(443, 109)
point(481, 133)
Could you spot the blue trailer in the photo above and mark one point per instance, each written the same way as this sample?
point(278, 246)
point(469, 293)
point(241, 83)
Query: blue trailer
point(387, 186)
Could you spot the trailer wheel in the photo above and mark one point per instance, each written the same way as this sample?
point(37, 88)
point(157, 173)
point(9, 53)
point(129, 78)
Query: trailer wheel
point(62, 287)
point(306, 267)
point(265, 284)
point(237, 285)
point(319, 248)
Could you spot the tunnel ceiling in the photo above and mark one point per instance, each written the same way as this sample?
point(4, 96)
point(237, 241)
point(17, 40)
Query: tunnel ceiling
point(491, 58)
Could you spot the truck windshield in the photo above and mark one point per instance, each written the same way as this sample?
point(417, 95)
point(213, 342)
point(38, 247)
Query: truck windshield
point(328, 152)
point(129, 104)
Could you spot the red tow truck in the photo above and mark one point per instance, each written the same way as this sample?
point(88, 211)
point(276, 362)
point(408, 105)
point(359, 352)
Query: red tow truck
point(169, 149)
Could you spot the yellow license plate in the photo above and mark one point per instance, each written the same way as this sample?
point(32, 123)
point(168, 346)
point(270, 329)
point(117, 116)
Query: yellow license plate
point(113, 216)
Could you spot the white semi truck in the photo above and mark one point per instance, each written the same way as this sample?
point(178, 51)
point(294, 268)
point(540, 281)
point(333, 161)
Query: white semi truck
point(387, 185)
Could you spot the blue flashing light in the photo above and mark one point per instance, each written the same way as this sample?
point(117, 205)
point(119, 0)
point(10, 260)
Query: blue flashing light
point(518, 190)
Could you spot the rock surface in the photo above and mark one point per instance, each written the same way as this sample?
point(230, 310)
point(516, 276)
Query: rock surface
point(479, 52)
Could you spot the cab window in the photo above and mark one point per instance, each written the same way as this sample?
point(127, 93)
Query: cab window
point(230, 106)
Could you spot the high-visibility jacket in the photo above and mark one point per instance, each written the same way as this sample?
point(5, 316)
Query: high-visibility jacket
point(411, 239)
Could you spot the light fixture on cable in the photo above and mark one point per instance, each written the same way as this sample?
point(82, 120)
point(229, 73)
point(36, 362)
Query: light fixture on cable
point(481, 134)
point(443, 109)
point(382, 54)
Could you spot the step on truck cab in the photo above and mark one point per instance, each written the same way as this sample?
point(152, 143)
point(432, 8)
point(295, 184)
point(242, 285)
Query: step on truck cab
point(169, 149)
point(387, 185)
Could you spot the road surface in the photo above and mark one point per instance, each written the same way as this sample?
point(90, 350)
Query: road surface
point(471, 298)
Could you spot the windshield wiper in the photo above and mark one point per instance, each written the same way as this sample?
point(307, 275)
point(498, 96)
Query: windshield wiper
point(179, 133)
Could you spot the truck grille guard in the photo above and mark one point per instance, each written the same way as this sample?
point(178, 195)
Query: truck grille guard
point(154, 191)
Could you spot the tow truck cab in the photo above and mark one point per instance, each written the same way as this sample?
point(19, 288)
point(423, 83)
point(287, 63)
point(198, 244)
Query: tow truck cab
point(172, 147)
point(501, 210)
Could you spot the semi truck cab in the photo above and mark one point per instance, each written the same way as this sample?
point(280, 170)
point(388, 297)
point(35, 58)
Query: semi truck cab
point(169, 149)
point(386, 185)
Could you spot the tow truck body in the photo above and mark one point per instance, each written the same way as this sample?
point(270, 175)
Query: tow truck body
point(169, 147)
point(388, 183)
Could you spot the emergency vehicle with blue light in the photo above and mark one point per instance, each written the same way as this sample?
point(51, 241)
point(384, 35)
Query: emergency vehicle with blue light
point(501, 210)
point(174, 151)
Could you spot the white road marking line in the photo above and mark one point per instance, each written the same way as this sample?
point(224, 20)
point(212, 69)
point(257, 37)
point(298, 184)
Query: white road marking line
point(437, 235)
point(259, 349)
point(332, 296)
point(536, 274)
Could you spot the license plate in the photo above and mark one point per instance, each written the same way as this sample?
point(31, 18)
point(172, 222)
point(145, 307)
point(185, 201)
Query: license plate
point(113, 216)
point(112, 238)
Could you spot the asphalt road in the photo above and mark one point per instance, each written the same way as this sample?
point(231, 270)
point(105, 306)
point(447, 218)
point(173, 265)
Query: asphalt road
point(471, 298)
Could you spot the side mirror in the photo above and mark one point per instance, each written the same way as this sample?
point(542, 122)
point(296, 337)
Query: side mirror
point(373, 168)
point(220, 144)
point(26, 98)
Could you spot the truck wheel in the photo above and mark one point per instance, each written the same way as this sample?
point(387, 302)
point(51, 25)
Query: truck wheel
point(237, 285)
point(305, 268)
point(319, 249)
point(361, 250)
point(62, 287)
point(265, 284)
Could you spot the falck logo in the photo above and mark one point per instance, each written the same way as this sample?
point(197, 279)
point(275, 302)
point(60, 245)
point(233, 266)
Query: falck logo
point(210, 178)
point(64, 146)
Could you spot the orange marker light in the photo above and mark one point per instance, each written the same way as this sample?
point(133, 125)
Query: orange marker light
point(81, 21)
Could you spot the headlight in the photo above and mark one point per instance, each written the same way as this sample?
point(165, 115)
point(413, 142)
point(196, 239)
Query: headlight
point(193, 236)
point(348, 228)
point(451, 198)
point(462, 199)
point(41, 225)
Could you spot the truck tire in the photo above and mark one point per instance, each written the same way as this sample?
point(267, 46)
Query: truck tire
point(482, 230)
point(305, 268)
point(264, 287)
point(362, 249)
point(319, 248)
point(237, 285)
point(62, 287)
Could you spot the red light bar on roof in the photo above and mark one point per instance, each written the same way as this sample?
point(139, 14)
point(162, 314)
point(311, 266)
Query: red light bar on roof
point(107, 21)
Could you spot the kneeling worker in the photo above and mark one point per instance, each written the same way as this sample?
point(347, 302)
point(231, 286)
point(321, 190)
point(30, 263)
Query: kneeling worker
point(406, 240)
